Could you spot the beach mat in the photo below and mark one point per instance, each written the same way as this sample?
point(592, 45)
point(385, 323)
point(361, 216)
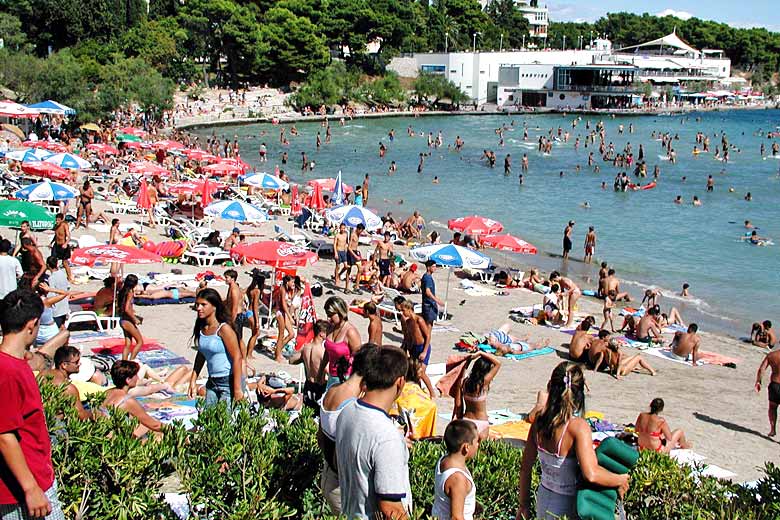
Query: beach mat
point(178, 407)
point(665, 353)
point(521, 356)
point(87, 336)
point(116, 346)
point(159, 358)
point(510, 430)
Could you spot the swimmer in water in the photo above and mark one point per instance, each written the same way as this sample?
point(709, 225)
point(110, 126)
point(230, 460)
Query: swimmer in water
point(696, 201)
point(684, 293)
point(435, 180)
point(585, 205)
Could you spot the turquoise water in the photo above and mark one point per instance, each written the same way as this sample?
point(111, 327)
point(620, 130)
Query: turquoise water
point(647, 238)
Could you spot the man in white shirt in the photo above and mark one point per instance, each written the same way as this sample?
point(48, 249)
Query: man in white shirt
point(10, 269)
point(58, 280)
point(372, 456)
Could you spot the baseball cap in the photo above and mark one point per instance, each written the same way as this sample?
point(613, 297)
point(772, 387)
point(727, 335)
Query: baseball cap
point(236, 230)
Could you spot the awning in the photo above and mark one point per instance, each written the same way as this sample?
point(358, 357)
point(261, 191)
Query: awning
point(52, 107)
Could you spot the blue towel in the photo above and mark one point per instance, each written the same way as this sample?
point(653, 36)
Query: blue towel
point(520, 356)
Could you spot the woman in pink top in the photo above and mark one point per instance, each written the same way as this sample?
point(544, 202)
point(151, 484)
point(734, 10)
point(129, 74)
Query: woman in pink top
point(342, 342)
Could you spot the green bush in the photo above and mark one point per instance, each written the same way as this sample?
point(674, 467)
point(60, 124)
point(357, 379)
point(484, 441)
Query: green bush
point(237, 464)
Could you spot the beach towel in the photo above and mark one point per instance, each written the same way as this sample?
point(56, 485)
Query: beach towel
point(178, 407)
point(421, 409)
point(527, 312)
point(510, 430)
point(713, 358)
point(115, 346)
point(666, 353)
point(455, 365)
point(87, 336)
point(162, 301)
point(521, 355)
point(504, 415)
point(159, 358)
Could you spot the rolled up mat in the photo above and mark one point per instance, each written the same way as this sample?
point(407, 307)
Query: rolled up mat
point(596, 502)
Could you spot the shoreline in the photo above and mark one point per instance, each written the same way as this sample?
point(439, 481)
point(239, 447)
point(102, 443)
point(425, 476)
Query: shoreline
point(294, 117)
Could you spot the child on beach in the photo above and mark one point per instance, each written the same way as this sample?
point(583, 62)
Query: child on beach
point(609, 303)
point(454, 489)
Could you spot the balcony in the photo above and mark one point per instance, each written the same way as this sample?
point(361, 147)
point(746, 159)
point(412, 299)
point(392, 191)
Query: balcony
point(613, 89)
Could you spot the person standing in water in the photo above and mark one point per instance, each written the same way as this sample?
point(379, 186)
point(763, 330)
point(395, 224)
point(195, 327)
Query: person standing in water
point(590, 244)
point(567, 239)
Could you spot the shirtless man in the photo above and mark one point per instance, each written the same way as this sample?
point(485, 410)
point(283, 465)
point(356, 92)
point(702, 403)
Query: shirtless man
point(233, 299)
point(416, 332)
point(573, 291)
point(762, 335)
point(772, 360)
point(647, 330)
point(580, 343)
point(104, 298)
point(353, 254)
point(598, 353)
point(685, 345)
point(233, 240)
point(374, 323)
point(67, 361)
point(613, 284)
point(32, 261)
point(311, 355)
point(590, 244)
point(410, 280)
point(340, 249)
point(384, 252)
point(60, 248)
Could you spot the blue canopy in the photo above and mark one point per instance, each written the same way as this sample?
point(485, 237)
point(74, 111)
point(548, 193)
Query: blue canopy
point(52, 107)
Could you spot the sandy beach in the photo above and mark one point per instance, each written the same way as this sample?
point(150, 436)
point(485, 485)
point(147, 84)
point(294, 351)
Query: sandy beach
point(716, 406)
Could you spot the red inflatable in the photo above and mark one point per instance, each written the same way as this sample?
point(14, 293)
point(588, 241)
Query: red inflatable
point(637, 187)
point(171, 248)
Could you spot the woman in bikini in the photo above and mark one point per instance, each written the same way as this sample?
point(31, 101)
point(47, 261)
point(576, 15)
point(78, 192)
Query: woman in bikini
point(471, 393)
point(124, 374)
point(127, 318)
point(284, 316)
point(86, 194)
point(254, 295)
point(654, 432)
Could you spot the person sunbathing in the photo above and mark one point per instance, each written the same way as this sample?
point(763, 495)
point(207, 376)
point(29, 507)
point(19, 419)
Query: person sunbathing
point(103, 302)
point(124, 374)
point(581, 343)
point(274, 396)
point(620, 365)
point(173, 293)
point(685, 345)
point(410, 280)
point(654, 432)
point(673, 318)
point(533, 279)
point(647, 330)
point(505, 343)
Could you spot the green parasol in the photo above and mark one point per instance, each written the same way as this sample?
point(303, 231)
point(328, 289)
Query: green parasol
point(128, 137)
point(13, 212)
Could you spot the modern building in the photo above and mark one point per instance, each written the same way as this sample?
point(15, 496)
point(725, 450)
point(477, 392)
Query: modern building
point(595, 74)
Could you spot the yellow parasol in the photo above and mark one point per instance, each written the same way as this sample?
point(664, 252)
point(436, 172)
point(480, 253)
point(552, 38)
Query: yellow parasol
point(14, 130)
point(91, 127)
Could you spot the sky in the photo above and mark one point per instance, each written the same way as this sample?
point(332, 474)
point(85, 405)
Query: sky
point(760, 13)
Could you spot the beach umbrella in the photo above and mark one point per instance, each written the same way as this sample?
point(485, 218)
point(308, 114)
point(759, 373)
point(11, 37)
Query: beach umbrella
point(236, 210)
point(52, 107)
point(112, 254)
point(222, 169)
point(167, 144)
point(129, 138)
point(105, 149)
point(47, 170)
point(191, 187)
point(450, 255)
point(338, 191)
point(328, 184)
point(265, 180)
point(28, 155)
point(90, 127)
point(238, 162)
point(130, 130)
point(51, 146)
point(146, 168)
point(142, 200)
point(46, 191)
point(275, 254)
point(475, 225)
point(15, 130)
point(352, 215)
point(10, 109)
point(295, 202)
point(197, 154)
point(205, 194)
point(13, 212)
point(317, 201)
point(509, 243)
point(68, 160)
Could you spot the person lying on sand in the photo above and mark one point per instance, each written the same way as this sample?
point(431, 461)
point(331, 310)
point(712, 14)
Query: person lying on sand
point(620, 365)
point(504, 343)
point(283, 398)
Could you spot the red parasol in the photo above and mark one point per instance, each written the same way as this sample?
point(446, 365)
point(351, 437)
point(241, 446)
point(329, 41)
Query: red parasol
point(167, 144)
point(192, 187)
point(107, 254)
point(205, 193)
point(106, 149)
point(222, 169)
point(238, 162)
point(147, 168)
point(509, 243)
point(475, 225)
point(47, 145)
point(329, 184)
point(317, 202)
point(276, 254)
point(295, 202)
point(46, 169)
point(143, 200)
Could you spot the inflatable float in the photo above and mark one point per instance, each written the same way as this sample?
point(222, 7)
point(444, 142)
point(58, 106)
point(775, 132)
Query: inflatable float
point(639, 187)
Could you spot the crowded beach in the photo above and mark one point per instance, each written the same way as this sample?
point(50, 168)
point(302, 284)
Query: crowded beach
point(165, 271)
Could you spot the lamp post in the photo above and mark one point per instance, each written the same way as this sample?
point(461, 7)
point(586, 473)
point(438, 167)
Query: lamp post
point(501, 43)
point(475, 41)
point(564, 42)
point(446, 42)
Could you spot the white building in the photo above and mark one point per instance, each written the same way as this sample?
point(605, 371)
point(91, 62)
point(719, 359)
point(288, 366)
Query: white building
point(538, 17)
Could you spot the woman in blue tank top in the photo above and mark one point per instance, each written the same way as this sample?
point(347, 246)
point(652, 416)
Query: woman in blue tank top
point(218, 348)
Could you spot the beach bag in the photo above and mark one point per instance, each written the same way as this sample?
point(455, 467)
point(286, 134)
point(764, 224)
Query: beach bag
point(469, 341)
point(599, 503)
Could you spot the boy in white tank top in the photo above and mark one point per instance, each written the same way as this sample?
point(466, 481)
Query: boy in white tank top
point(455, 492)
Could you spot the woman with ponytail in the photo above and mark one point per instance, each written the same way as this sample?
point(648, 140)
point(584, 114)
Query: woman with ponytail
point(562, 442)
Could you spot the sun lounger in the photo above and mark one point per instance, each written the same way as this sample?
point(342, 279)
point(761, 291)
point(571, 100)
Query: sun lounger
point(123, 207)
point(203, 256)
point(297, 239)
point(387, 307)
point(103, 323)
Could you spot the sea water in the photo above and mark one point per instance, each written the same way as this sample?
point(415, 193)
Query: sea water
point(644, 235)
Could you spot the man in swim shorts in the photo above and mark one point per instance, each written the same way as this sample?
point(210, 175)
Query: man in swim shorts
point(772, 360)
point(647, 330)
point(384, 251)
point(685, 345)
point(416, 334)
point(567, 238)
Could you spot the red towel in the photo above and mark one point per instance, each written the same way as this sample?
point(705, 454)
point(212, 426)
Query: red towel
point(114, 346)
point(455, 365)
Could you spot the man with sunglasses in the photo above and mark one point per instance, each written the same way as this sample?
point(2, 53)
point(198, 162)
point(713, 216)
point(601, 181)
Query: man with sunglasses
point(67, 361)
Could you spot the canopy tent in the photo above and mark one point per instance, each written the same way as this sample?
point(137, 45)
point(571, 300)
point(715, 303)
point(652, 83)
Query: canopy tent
point(52, 107)
point(10, 109)
point(671, 41)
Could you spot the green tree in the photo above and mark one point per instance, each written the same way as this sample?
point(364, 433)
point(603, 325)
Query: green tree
point(295, 46)
point(434, 89)
point(507, 20)
point(14, 38)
